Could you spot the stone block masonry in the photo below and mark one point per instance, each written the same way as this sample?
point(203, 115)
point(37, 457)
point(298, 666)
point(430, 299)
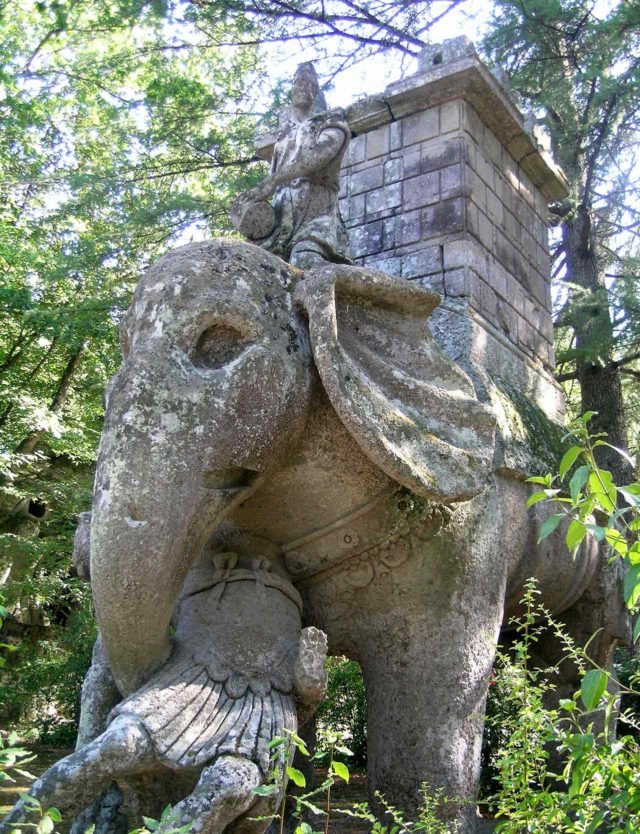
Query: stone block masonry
point(443, 184)
point(437, 196)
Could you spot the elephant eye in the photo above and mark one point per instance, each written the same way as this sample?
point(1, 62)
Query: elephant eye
point(217, 345)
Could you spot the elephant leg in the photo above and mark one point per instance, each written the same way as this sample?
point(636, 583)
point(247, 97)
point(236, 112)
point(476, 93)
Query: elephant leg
point(428, 631)
point(426, 703)
point(75, 781)
point(224, 792)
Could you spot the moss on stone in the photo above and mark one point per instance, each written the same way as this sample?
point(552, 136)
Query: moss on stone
point(532, 441)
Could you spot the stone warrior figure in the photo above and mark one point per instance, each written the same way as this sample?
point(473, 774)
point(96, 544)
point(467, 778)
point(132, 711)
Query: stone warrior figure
point(240, 667)
point(303, 223)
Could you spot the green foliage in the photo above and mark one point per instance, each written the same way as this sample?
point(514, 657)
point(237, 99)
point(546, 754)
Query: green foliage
point(332, 745)
point(151, 825)
point(124, 130)
point(577, 66)
point(599, 788)
point(627, 670)
point(12, 761)
point(344, 708)
point(429, 820)
point(283, 749)
point(587, 495)
point(43, 689)
point(13, 758)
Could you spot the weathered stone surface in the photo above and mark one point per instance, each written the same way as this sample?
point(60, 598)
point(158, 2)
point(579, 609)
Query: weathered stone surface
point(442, 53)
point(285, 449)
point(421, 191)
point(279, 441)
point(303, 224)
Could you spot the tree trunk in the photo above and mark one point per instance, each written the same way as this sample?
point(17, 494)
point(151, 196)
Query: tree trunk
point(599, 379)
point(29, 443)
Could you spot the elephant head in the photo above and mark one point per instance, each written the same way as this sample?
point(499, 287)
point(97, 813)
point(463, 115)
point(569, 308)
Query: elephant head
point(220, 355)
point(213, 387)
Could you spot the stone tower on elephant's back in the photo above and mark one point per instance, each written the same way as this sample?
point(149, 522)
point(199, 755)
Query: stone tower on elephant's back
point(443, 184)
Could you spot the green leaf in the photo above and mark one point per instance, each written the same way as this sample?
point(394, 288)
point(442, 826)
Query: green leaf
point(632, 586)
point(633, 554)
point(45, 826)
point(576, 532)
point(536, 497)
point(31, 802)
point(296, 776)
point(55, 815)
point(596, 822)
point(30, 777)
point(568, 459)
point(630, 497)
point(578, 480)
point(313, 808)
point(592, 688)
point(265, 790)
point(276, 741)
point(620, 451)
point(341, 770)
point(549, 525)
point(304, 828)
point(543, 481)
point(602, 486)
point(616, 540)
point(636, 632)
point(299, 743)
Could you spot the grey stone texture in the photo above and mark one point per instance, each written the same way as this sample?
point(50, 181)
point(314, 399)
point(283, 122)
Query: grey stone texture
point(302, 223)
point(341, 451)
point(453, 187)
point(285, 452)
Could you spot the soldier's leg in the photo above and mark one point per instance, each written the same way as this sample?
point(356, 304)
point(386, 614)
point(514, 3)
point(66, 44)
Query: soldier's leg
point(99, 696)
point(224, 792)
point(77, 780)
point(307, 255)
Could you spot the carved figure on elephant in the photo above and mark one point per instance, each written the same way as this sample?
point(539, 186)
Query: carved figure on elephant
point(302, 224)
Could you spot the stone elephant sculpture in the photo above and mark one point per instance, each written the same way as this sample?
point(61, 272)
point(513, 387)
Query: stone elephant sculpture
point(312, 419)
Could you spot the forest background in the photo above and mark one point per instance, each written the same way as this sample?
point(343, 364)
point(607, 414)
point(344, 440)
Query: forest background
point(127, 126)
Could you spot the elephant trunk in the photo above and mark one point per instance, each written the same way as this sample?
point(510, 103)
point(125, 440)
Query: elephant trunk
point(152, 513)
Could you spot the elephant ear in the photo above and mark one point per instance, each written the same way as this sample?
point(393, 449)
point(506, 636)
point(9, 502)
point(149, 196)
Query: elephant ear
point(410, 408)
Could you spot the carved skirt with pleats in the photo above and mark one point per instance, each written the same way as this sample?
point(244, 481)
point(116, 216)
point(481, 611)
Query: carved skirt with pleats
point(194, 713)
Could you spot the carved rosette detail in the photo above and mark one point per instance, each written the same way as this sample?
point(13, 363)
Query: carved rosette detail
point(347, 579)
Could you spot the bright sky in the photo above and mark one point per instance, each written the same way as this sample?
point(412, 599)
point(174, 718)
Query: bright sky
point(368, 78)
point(373, 75)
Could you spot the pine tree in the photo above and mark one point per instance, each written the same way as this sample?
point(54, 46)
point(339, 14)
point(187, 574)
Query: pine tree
point(579, 69)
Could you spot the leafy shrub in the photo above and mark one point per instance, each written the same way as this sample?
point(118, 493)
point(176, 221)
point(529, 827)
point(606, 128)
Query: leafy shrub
point(42, 683)
point(599, 789)
point(344, 708)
